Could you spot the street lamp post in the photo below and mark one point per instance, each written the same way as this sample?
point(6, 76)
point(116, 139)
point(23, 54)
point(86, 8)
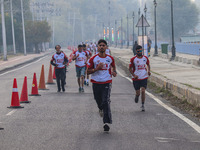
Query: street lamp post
point(110, 32)
point(133, 28)
point(145, 11)
point(121, 34)
point(23, 27)
point(3, 31)
point(115, 33)
point(138, 20)
point(127, 33)
point(13, 30)
point(156, 47)
point(173, 43)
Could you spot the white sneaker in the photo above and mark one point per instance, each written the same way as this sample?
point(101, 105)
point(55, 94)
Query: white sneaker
point(143, 109)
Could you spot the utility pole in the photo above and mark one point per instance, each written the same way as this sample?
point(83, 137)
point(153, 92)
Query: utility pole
point(53, 32)
point(145, 11)
point(156, 47)
point(133, 28)
point(115, 33)
point(127, 33)
point(74, 28)
point(23, 26)
point(13, 30)
point(138, 20)
point(121, 34)
point(173, 43)
point(3, 31)
point(110, 33)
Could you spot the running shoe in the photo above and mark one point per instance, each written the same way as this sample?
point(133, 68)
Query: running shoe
point(136, 99)
point(106, 127)
point(142, 108)
point(82, 90)
point(101, 113)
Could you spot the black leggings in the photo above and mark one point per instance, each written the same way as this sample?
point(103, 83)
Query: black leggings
point(60, 77)
point(102, 96)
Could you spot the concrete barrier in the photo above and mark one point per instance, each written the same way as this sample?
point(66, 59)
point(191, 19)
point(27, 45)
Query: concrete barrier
point(181, 91)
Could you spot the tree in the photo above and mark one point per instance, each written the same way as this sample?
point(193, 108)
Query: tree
point(37, 32)
point(185, 17)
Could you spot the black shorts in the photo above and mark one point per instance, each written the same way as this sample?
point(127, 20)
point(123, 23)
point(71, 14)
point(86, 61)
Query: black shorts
point(140, 83)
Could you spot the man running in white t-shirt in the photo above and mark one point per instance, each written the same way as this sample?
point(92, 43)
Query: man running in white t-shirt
point(138, 69)
point(100, 67)
point(86, 81)
point(108, 51)
point(80, 58)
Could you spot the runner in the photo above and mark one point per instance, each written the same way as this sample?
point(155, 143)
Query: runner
point(59, 60)
point(86, 81)
point(100, 67)
point(81, 58)
point(138, 69)
point(108, 51)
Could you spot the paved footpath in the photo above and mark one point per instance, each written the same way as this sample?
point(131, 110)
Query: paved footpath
point(20, 60)
point(181, 78)
point(70, 120)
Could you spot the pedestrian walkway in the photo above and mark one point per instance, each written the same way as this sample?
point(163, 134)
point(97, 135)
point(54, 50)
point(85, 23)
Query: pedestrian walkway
point(18, 60)
point(181, 78)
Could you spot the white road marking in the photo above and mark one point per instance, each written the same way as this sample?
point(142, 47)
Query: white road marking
point(163, 141)
point(185, 119)
point(10, 113)
point(163, 138)
point(22, 66)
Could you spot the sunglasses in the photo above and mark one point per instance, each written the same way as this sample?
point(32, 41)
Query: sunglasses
point(139, 51)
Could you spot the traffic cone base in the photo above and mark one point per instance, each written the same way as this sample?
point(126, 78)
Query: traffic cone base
point(50, 83)
point(15, 107)
point(25, 102)
point(43, 89)
point(34, 95)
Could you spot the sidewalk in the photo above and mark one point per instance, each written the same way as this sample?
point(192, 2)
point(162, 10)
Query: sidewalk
point(20, 60)
point(182, 79)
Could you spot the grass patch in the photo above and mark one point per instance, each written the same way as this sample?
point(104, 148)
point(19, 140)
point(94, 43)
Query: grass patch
point(181, 103)
point(191, 86)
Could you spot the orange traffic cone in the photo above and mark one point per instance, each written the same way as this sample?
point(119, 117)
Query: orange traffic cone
point(15, 97)
point(24, 93)
point(42, 85)
point(54, 74)
point(50, 76)
point(34, 91)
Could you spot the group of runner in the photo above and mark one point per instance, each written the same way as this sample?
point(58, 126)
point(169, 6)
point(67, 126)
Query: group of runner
point(101, 67)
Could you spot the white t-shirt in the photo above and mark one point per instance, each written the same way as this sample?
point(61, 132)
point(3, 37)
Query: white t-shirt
point(139, 67)
point(59, 59)
point(102, 76)
point(107, 51)
point(81, 59)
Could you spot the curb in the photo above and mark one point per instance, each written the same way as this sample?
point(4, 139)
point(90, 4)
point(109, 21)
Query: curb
point(181, 91)
point(23, 63)
point(181, 59)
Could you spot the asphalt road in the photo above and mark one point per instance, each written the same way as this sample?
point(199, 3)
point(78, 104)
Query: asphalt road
point(70, 120)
